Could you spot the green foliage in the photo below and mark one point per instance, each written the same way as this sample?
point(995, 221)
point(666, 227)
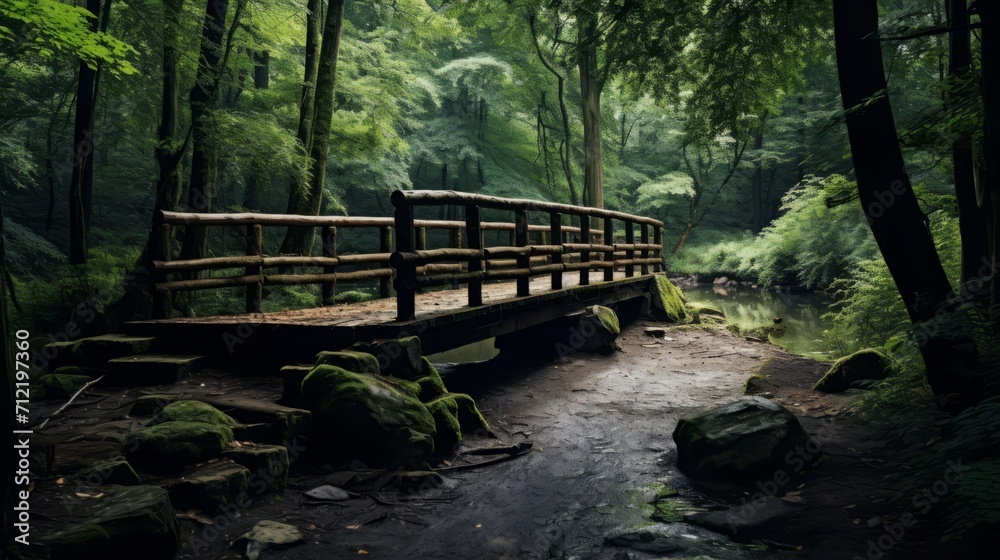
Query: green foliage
point(49, 27)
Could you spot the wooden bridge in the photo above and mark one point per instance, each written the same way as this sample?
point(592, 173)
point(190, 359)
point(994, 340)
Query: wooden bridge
point(569, 258)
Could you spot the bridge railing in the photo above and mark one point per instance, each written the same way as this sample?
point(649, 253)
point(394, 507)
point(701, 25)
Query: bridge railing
point(261, 268)
point(418, 267)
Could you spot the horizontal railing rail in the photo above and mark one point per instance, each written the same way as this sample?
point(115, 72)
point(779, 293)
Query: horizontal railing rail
point(416, 267)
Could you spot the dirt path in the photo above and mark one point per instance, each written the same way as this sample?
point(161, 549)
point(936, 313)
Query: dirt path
point(600, 429)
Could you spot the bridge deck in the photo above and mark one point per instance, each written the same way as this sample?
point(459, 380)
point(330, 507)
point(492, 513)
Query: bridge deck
point(444, 320)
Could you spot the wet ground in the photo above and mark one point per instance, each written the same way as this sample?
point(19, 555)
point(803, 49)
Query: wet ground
point(599, 429)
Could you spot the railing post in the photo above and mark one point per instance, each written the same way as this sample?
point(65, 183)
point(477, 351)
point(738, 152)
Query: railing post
point(163, 300)
point(644, 253)
point(329, 250)
point(629, 253)
point(255, 248)
point(523, 261)
point(555, 225)
point(385, 246)
point(585, 254)
point(421, 238)
point(406, 275)
point(474, 233)
point(658, 240)
point(609, 256)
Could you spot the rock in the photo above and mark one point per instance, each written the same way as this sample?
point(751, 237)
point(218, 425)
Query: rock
point(852, 370)
point(60, 383)
point(757, 384)
point(398, 357)
point(655, 332)
point(721, 280)
point(264, 422)
point(209, 487)
point(599, 329)
point(291, 384)
point(113, 471)
point(750, 439)
point(668, 302)
point(151, 369)
point(358, 362)
point(149, 405)
point(269, 535)
point(96, 351)
point(327, 493)
point(430, 384)
point(193, 411)
point(123, 520)
point(367, 417)
point(268, 465)
point(779, 328)
point(646, 541)
point(752, 519)
point(170, 446)
point(448, 430)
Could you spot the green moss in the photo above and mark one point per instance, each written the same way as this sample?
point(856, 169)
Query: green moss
point(867, 364)
point(171, 445)
point(444, 409)
point(353, 296)
point(358, 362)
point(666, 510)
point(755, 384)
point(431, 385)
point(194, 411)
point(59, 384)
point(668, 302)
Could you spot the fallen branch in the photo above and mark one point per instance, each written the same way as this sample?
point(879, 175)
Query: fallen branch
point(70, 401)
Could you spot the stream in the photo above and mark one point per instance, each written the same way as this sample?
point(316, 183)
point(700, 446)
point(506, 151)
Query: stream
point(802, 312)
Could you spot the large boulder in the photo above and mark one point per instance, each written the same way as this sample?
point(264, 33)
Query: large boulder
point(668, 302)
point(358, 362)
point(868, 364)
point(116, 524)
point(599, 329)
point(368, 417)
point(170, 446)
point(749, 439)
point(209, 487)
point(400, 357)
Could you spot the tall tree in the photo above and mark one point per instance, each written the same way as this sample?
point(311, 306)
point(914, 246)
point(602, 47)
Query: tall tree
point(306, 195)
point(81, 187)
point(216, 44)
point(896, 220)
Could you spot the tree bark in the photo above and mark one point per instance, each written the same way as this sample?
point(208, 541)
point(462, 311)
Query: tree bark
point(168, 153)
point(895, 219)
point(987, 175)
point(972, 218)
point(82, 182)
point(306, 197)
point(757, 185)
point(590, 89)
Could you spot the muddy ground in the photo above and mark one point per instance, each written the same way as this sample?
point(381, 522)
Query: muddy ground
point(599, 429)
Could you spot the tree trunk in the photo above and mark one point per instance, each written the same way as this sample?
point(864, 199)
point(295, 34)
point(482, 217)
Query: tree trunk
point(81, 186)
point(889, 203)
point(757, 185)
point(261, 69)
point(590, 90)
point(972, 218)
point(989, 14)
point(168, 153)
point(306, 198)
point(202, 99)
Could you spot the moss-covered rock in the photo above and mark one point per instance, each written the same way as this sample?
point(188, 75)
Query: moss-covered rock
point(444, 410)
point(268, 465)
point(400, 357)
point(170, 446)
point(368, 417)
point(668, 302)
point(123, 520)
point(150, 405)
point(599, 329)
point(431, 385)
point(96, 351)
point(853, 370)
point(193, 411)
point(358, 362)
point(705, 313)
point(209, 487)
point(63, 382)
point(756, 384)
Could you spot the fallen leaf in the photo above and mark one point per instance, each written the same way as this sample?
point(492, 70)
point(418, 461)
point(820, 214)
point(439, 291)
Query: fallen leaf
point(361, 551)
point(60, 480)
point(355, 526)
point(479, 525)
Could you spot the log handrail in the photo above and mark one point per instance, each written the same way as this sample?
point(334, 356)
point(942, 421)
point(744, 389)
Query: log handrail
point(596, 250)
